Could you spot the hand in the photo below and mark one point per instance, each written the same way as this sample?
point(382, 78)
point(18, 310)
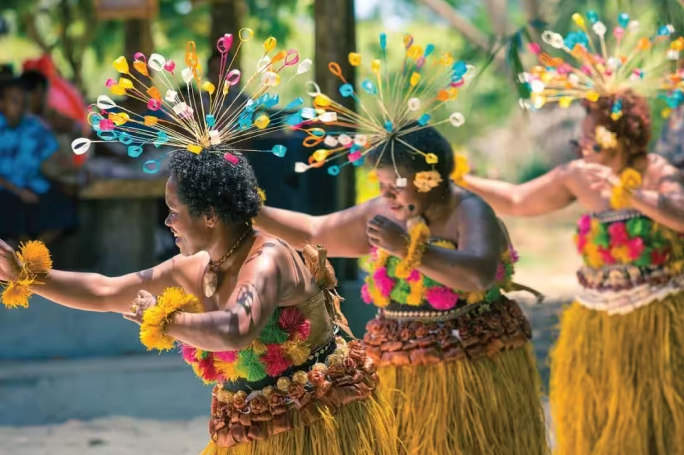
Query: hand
point(599, 177)
point(28, 197)
point(388, 235)
point(9, 262)
point(144, 301)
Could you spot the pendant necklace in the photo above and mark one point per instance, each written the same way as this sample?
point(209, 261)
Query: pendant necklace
point(210, 283)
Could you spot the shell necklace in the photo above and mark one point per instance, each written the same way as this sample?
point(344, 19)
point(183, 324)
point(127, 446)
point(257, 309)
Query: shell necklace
point(210, 282)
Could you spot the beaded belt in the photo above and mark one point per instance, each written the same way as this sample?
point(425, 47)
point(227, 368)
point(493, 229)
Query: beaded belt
point(426, 316)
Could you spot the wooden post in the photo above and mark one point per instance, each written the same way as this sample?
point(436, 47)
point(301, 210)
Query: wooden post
point(335, 39)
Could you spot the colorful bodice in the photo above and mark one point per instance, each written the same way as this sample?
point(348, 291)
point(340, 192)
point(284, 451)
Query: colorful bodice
point(384, 289)
point(292, 337)
point(626, 238)
point(630, 261)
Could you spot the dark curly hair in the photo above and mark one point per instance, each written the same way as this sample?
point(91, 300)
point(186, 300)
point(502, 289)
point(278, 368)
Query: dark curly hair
point(208, 181)
point(633, 128)
point(427, 140)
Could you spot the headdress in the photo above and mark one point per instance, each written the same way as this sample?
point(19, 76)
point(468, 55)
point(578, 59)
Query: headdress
point(600, 66)
point(194, 113)
point(391, 104)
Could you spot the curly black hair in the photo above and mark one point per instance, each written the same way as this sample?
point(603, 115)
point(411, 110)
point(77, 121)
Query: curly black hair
point(32, 80)
point(427, 140)
point(208, 181)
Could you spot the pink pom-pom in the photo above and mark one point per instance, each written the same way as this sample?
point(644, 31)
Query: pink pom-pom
point(514, 255)
point(188, 353)
point(500, 272)
point(414, 276)
point(606, 256)
point(584, 224)
point(635, 247)
point(441, 298)
point(534, 48)
point(275, 361)
point(365, 295)
point(232, 159)
point(226, 356)
point(618, 234)
point(383, 282)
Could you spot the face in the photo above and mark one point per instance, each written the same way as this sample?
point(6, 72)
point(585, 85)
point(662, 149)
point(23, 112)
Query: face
point(14, 105)
point(404, 203)
point(191, 234)
point(37, 100)
point(592, 152)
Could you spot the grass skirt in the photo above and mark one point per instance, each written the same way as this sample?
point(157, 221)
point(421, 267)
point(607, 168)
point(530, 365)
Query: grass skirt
point(468, 407)
point(617, 382)
point(359, 428)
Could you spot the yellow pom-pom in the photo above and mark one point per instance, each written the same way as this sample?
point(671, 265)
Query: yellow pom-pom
point(415, 297)
point(262, 195)
point(35, 256)
point(16, 295)
point(419, 234)
point(461, 169)
point(300, 377)
point(227, 370)
point(297, 351)
point(172, 300)
point(283, 383)
point(258, 347)
point(630, 180)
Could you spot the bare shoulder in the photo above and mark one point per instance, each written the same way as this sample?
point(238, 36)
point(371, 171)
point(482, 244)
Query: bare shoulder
point(472, 205)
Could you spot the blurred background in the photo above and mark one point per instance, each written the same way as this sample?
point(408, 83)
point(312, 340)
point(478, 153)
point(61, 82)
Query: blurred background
point(81, 383)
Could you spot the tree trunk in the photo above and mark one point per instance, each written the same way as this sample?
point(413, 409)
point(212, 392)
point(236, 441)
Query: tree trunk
point(335, 39)
point(226, 17)
point(138, 37)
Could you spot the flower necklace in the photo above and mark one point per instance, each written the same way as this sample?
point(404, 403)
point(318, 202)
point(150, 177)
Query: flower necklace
point(210, 282)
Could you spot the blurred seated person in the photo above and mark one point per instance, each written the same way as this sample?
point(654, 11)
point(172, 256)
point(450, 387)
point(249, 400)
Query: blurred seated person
point(61, 167)
point(32, 205)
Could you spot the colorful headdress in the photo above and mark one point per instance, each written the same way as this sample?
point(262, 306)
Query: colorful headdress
point(391, 104)
point(195, 114)
point(601, 66)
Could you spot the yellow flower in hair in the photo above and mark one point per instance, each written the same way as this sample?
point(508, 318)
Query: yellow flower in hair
point(427, 180)
point(606, 139)
point(461, 169)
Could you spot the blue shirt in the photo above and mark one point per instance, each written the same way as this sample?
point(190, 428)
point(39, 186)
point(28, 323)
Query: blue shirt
point(22, 151)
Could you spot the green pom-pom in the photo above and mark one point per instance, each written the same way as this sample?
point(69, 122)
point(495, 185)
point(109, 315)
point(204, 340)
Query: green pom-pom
point(272, 333)
point(392, 263)
point(429, 282)
point(492, 295)
point(401, 291)
point(638, 227)
point(249, 366)
point(645, 258)
point(601, 238)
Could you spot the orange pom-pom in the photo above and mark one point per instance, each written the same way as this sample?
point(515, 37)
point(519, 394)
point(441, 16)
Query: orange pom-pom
point(35, 257)
point(16, 294)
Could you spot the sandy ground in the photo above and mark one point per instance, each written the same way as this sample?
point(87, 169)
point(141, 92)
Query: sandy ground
point(548, 265)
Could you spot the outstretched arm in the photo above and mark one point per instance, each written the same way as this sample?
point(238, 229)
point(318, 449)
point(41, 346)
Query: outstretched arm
point(92, 291)
point(249, 307)
point(342, 233)
point(536, 197)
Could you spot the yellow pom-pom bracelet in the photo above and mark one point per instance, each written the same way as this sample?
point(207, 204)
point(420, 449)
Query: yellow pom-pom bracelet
point(35, 261)
point(629, 181)
point(171, 301)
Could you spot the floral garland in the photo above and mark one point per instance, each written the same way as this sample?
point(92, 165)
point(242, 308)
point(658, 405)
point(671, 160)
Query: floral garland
point(35, 261)
point(638, 241)
point(279, 346)
point(384, 285)
point(629, 181)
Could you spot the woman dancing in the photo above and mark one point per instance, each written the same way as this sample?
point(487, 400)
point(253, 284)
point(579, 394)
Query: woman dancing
point(249, 315)
point(454, 352)
point(616, 371)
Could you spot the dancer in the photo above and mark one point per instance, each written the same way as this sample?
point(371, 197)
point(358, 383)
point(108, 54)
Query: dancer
point(454, 352)
point(616, 371)
point(249, 315)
